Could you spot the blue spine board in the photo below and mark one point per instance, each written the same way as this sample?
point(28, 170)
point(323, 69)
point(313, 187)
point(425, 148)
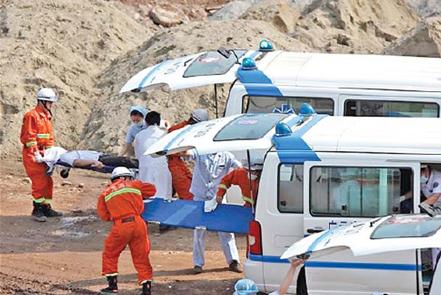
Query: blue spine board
point(190, 214)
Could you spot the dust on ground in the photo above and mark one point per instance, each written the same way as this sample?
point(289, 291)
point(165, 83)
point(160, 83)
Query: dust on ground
point(63, 255)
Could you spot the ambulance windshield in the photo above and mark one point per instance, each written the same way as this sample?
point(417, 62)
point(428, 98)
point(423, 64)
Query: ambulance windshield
point(212, 63)
point(249, 126)
point(407, 226)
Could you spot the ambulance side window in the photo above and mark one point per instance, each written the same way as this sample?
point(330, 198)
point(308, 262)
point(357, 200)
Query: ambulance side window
point(285, 104)
point(290, 188)
point(359, 191)
point(385, 108)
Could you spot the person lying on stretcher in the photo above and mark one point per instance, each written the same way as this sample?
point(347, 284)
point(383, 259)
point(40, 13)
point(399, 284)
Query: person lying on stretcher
point(81, 159)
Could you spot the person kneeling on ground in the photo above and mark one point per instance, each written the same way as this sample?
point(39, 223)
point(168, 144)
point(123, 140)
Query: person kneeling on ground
point(248, 287)
point(122, 203)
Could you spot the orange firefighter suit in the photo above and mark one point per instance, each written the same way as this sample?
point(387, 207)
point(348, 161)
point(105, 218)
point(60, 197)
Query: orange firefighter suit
point(239, 176)
point(37, 135)
point(122, 203)
point(181, 175)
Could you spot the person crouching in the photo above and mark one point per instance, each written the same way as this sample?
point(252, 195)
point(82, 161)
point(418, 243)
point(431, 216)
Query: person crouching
point(122, 203)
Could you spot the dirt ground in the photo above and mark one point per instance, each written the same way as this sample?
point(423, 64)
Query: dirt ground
point(63, 255)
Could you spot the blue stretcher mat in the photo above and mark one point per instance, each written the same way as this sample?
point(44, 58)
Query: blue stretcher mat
point(190, 214)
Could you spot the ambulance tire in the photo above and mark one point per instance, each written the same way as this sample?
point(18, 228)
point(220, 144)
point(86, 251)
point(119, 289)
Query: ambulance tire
point(301, 287)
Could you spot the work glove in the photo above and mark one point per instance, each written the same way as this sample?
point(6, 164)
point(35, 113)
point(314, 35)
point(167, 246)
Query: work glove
point(210, 205)
point(38, 157)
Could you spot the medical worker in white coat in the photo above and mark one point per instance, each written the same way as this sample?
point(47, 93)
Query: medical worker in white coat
point(207, 174)
point(153, 170)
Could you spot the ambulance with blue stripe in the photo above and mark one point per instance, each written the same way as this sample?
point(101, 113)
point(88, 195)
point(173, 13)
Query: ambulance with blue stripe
point(268, 80)
point(321, 172)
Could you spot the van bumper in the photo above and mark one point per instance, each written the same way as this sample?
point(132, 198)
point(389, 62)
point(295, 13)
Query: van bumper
point(254, 271)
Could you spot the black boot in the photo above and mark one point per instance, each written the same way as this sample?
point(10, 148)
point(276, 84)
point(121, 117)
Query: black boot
point(146, 288)
point(38, 213)
point(113, 285)
point(49, 212)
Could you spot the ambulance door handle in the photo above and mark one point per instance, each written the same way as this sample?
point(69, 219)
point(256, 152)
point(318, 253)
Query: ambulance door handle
point(314, 230)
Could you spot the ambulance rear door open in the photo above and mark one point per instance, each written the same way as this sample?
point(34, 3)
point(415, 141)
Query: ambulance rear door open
point(340, 192)
point(201, 69)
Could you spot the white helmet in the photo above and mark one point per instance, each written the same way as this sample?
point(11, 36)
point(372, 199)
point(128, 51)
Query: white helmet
point(47, 94)
point(121, 172)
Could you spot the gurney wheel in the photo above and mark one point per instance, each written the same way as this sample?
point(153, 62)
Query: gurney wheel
point(64, 173)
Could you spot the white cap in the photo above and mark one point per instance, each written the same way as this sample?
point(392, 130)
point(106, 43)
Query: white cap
point(199, 115)
point(424, 166)
point(121, 172)
point(47, 94)
point(245, 287)
point(139, 109)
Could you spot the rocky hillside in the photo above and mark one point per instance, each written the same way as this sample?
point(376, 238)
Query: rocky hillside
point(62, 44)
point(87, 49)
point(111, 114)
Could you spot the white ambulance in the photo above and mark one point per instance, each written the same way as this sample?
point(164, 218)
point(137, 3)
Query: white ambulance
point(321, 172)
point(280, 81)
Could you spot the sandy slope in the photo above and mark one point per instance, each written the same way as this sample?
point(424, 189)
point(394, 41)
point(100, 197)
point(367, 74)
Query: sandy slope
point(63, 256)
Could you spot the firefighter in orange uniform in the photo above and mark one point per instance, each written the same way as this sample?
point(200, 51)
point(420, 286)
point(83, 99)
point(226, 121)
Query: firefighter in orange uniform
point(36, 136)
point(181, 175)
point(122, 203)
point(241, 177)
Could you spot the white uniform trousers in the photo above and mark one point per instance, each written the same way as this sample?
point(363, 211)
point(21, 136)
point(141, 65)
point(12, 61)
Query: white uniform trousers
point(228, 244)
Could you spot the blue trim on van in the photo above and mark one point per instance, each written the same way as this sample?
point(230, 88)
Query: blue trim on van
point(292, 148)
point(319, 239)
point(341, 265)
point(257, 83)
point(178, 136)
point(149, 74)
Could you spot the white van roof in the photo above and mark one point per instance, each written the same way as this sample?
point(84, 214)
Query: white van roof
point(318, 133)
point(375, 135)
point(353, 71)
point(294, 69)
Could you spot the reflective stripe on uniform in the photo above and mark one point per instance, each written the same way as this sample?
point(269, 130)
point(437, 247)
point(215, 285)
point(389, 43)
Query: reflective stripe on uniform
point(43, 135)
point(39, 200)
point(30, 143)
point(122, 191)
point(222, 186)
point(249, 200)
point(47, 201)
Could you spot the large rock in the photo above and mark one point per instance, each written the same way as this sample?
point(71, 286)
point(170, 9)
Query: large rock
point(426, 8)
point(62, 44)
point(424, 40)
point(362, 26)
point(108, 123)
point(280, 13)
point(233, 10)
point(165, 18)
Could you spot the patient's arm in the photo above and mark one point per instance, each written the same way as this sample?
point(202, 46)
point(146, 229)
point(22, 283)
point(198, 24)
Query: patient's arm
point(79, 163)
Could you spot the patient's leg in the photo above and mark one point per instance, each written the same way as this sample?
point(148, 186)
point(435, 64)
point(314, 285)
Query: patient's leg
point(115, 161)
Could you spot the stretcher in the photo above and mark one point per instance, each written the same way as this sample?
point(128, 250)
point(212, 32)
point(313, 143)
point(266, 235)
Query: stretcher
point(105, 169)
point(190, 214)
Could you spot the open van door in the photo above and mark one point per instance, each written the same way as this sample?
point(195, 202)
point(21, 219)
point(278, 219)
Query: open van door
point(341, 193)
point(235, 133)
point(206, 68)
point(374, 237)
